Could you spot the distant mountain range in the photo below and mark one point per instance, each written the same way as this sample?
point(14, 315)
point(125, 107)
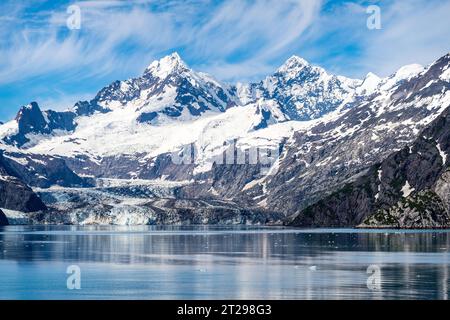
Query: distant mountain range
point(333, 150)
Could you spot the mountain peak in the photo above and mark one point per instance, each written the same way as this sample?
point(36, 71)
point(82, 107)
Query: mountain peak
point(32, 105)
point(373, 76)
point(369, 85)
point(167, 65)
point(293, 63)
point(32, 108)
point(297, 60)
point(409, 71)
point(404, 73)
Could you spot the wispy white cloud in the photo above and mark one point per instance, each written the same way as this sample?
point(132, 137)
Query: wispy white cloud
point(60, 101)
point(251, 70)
point(413, 31)
point(256, 32)
point(94, 50)
point(266, 25)
point(119, 34)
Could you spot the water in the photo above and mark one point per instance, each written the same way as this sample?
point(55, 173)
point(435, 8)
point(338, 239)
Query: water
point(222, 263)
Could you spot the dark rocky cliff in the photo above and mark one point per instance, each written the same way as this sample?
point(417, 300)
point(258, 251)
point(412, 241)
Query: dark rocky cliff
point(3, 219)
point(409, 189)
point(14, 193)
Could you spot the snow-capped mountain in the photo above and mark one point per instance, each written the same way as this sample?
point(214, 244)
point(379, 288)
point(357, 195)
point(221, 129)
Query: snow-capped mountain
point(129, 112)
point(142, 116)
point(31, 121)
point(321, 159)
point(168, 88)
point(303, 91)
point(320, 130)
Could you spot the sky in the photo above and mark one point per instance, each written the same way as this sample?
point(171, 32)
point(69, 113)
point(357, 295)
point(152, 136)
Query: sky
point(60, 52)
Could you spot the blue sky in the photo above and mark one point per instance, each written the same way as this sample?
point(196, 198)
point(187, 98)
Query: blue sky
point(42, 60)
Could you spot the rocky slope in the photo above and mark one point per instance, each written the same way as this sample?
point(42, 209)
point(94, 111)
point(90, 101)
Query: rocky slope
point(409, 189)
point(14, 193)
point(31, 120)
point(328, 153)
point(3, 219)
point(43, 171)
point(426, 190)
point(423, 210)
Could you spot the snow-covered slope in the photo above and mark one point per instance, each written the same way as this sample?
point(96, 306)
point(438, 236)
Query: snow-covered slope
point(117, 133)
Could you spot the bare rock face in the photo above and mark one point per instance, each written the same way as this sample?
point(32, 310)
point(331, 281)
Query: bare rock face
point(14, 193)
point(43, 171)
point(425, 182)
point(424, 210)
point(429, 208)
point(442, 189)
point(3, 219)
point(346, 207)
point(31, 120)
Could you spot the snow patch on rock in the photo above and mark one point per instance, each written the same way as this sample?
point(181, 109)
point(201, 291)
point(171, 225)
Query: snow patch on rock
point(407, 189)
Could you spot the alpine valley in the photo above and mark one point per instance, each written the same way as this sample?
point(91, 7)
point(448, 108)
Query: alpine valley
point(330, 151)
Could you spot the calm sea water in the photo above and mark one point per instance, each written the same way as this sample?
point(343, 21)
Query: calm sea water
point(222, 263)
